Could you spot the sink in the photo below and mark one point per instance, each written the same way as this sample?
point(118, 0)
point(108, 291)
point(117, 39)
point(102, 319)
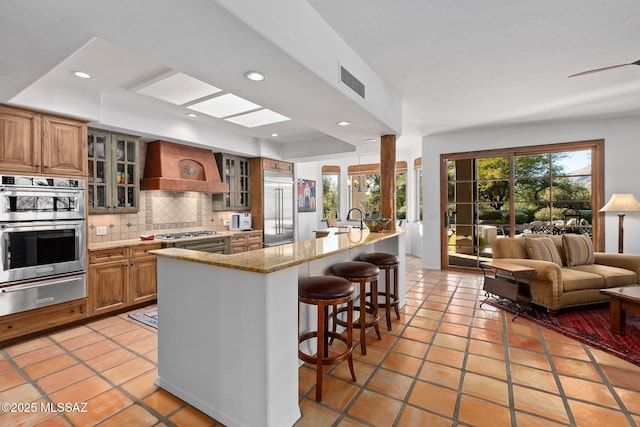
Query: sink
point(376, 225)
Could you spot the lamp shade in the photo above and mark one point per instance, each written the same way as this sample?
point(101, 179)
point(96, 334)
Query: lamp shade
point(621, 203)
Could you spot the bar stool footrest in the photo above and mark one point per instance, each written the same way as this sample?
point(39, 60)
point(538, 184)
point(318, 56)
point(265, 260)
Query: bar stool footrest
point(329, 360)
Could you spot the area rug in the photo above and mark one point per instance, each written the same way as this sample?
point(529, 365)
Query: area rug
point(148, 317)
point(589, 325)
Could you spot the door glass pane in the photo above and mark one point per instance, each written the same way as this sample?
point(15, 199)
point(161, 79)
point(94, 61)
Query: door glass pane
point(493, 168)
point(131, 151)
point(100, 147)
point(531, 166)
point(130, 174)
point(101, 201)
point(130, 196)
point(120, 150)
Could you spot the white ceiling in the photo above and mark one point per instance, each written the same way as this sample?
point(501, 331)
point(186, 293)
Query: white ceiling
point(428, 66)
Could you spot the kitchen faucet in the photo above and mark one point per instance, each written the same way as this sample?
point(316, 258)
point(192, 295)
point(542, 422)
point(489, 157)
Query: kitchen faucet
point(361, 216)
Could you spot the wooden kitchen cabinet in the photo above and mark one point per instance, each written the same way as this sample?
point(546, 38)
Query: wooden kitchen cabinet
point(246, 241)
point(32, 142)
point(277, 165)
point(121, 277)
point(113, 172)
point(108, 284)
point(143, 276)
point(39, 319)
point(235, 171)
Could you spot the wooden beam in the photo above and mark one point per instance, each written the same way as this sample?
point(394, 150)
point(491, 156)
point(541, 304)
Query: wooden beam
point(388, 179)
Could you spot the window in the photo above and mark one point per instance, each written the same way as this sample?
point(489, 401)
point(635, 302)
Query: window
point(529, 190)
point(330, 192)
point(417, 167)
point(364, 185)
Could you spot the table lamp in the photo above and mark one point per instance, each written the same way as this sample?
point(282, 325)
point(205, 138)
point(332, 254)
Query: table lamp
point(621, 203)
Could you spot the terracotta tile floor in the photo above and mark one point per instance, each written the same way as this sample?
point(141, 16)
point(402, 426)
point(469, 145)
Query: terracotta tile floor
point(446, 362)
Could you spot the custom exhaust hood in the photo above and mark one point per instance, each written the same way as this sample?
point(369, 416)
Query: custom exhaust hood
point(176, 167)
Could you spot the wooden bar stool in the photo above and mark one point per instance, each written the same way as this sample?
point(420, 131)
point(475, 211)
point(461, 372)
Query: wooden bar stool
point(362, 273)
point(388, 263)
point(325, 292)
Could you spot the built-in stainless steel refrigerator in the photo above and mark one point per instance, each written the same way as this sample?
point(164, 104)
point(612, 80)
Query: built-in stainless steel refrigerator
point(278, 208)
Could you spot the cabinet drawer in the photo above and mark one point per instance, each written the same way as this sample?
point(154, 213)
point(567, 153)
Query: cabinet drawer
point(142, 250)
point(106, 255)
point(254, 237)
point(239, 238)
point(24, 323)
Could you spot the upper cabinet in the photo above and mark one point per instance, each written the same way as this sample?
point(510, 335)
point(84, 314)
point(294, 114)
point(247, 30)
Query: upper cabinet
point(235, 171)
point(32, 142)
point(277, 165)
point(114, 181)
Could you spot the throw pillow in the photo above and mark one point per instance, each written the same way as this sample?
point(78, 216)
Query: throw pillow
point(578, 249)
point(543, 249)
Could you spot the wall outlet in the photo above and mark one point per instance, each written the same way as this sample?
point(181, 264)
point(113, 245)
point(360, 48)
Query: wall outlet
point(226, 223)
point(101, 231)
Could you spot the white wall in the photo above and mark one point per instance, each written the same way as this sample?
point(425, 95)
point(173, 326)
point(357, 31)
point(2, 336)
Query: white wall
point(621, 175)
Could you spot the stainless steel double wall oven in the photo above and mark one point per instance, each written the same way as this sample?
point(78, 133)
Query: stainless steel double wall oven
point(42, 241)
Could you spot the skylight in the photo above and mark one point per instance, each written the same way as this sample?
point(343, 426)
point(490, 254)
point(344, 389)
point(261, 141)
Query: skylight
point(179, 89)
point(224, 106)
point(258, 118)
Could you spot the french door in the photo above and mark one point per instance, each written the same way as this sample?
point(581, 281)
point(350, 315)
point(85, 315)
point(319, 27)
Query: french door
point(493, 194)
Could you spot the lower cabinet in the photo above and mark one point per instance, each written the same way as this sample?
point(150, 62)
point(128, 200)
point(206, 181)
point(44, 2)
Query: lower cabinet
point(246, 241)
point(26, 322)
point(121, 277)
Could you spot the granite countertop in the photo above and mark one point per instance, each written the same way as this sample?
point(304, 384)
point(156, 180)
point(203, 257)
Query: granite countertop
point(276, 258)
point(137, 242)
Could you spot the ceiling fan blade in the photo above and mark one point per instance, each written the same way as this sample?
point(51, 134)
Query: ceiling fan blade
point(597, 70)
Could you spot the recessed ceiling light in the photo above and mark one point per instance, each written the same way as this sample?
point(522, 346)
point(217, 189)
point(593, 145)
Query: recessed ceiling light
point(344, 123)
point(256, 76)
point(274, 135)
point(370, 140)
point(192, 115)
point(82, 74)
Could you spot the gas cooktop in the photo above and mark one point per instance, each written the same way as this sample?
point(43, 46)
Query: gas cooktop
point(173, 236)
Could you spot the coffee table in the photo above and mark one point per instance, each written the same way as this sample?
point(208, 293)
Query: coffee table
point(506, 280)
point(623, 299)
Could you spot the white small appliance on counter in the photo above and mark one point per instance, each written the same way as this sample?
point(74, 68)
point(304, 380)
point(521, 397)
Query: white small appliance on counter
point(240, 221)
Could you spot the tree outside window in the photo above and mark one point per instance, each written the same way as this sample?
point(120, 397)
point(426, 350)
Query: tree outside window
point(330, 195)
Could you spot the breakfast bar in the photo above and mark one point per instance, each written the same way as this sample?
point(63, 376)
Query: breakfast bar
point(228, 324)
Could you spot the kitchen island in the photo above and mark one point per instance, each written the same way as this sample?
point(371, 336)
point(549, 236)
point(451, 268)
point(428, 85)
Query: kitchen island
point(228, 324)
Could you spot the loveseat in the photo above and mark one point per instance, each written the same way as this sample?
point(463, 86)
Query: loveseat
point(568, 272)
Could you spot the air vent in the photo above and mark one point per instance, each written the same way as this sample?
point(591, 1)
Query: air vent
point(349, 79)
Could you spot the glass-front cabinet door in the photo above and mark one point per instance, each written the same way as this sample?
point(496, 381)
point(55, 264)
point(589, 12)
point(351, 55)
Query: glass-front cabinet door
point(98, 167)
point(234, 171)
point(126, 173)
point(114, 184)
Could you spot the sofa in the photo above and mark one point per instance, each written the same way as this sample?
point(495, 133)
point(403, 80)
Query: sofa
point(568, 272)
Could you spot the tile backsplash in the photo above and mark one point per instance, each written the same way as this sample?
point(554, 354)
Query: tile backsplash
point(160, 212)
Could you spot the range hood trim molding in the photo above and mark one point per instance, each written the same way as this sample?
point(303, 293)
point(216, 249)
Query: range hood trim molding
point(162, 169)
